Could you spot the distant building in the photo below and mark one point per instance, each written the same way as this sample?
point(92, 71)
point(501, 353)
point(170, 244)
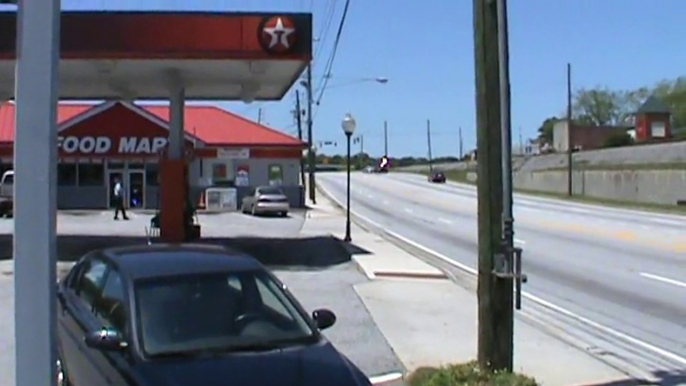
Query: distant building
point(584, 137)
point(653, 121)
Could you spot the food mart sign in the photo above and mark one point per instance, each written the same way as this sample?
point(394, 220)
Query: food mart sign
point(103, 145)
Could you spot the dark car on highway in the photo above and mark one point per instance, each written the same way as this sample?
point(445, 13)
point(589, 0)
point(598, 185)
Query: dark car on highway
point(437, 176)
point(170, 315)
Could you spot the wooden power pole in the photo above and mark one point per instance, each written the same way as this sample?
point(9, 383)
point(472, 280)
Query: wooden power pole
point(311, 156)
point(461, 144)
point(495, 294)
point(428, 142)
point(298, 117)
point(570, 125)
point(385, 138)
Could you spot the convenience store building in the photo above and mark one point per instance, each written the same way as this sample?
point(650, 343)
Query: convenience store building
point(117, 139)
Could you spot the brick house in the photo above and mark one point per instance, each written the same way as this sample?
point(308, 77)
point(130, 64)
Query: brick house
point(653, 121)
point(584, 137)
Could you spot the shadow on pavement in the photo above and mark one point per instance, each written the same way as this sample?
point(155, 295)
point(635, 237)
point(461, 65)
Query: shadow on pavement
point(298, 253)
point(663, 378)
point(310, 252)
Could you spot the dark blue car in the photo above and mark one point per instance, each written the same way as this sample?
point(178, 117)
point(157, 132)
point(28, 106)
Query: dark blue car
point(165, 315)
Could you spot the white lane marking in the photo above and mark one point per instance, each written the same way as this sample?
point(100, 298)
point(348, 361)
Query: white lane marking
point(668, 222)
point(663, 279)
point(519, 241)
point(408, 210)
point(608, 330)
point(444, 221)
point(384, 378)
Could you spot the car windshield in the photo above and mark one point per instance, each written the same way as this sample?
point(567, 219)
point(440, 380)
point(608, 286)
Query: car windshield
point(217, 312)
point(270, 191)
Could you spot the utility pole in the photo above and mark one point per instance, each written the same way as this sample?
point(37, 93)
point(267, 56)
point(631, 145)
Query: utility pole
point(521, 141)
point(362, 156)
point(495, 297)
point(428, 142)
point(311, 160)
point(385, 138)
point(298, 117)
point(570, 126)
point(461, 144)
point(259, 116)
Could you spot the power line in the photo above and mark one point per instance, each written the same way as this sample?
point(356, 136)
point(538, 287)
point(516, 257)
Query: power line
point(329, 65)
point(330, 11)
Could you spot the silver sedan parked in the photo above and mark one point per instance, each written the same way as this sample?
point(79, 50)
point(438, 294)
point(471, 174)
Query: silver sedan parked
point(265, 200)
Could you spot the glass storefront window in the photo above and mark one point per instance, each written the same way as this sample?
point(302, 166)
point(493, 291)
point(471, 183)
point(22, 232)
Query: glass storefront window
point(152, 174)
point(275, 175)
point(115, 164)
point(91, 174)
point(66, 174)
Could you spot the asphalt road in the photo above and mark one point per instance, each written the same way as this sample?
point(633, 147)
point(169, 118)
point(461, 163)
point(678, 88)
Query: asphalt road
point(616, 278)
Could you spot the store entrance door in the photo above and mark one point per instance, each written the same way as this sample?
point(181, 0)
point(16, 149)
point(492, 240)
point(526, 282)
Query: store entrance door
point(134, 187)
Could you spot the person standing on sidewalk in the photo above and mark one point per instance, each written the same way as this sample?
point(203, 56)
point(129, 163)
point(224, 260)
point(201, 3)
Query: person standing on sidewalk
point(118, 194)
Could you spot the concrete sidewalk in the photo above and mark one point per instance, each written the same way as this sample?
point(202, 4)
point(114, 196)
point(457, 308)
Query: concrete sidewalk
point(429, 320)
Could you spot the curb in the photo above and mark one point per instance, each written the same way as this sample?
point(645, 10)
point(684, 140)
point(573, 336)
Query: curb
point(370, 228)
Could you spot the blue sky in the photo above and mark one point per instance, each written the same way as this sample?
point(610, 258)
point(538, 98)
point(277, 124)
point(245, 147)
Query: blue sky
point(425, 49)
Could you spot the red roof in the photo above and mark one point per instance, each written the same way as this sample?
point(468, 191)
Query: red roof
point(212, 125)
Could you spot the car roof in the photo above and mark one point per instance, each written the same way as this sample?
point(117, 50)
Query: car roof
point(266, 187)
point(162, 260)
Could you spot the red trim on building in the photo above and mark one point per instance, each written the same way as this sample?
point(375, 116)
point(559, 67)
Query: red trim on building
point(129, 130)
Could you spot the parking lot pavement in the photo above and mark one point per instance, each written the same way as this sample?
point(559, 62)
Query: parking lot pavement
point(316, 267)
point(355, 333)
point(83, 231)
point(6, 331)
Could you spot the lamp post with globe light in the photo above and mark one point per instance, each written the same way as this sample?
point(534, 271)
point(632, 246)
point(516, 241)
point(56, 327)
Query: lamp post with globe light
point(348, 124)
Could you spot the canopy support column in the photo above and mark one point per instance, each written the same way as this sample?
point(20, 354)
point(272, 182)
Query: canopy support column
point(175, 223)
point(35, 191)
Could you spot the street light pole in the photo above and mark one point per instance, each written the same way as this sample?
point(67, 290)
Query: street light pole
point(348, 126)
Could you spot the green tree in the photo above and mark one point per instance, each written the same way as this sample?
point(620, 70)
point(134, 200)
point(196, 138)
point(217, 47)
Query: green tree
point(619, 140)
point(673, 94)
point(603, 106)
point(545, 132)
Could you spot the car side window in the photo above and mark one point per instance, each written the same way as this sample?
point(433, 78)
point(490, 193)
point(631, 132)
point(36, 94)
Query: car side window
point(270, 300)
point(90, 283)
point(235, 283)
point(73, 277)
point(111, 307)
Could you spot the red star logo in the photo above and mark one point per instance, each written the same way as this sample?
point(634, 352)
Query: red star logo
point(278, 34)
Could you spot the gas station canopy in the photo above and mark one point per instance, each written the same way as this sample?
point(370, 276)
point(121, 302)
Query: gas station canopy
point(171, 56)
point(136, 55)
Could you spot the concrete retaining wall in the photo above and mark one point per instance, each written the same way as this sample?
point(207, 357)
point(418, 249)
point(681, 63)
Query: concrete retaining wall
point(641, 186)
